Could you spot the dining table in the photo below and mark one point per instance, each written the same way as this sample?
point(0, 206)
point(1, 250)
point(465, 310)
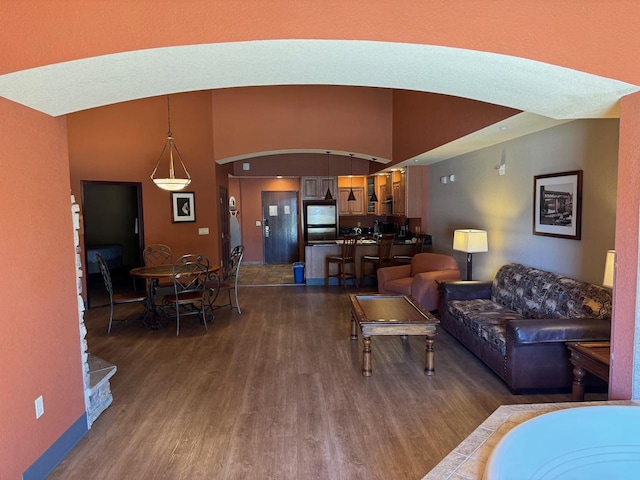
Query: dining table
point(154, 274)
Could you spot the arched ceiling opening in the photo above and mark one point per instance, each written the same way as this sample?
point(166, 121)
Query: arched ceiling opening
point(547, 94)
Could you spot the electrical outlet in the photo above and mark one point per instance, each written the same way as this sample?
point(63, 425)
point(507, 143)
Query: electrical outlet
point(39, 404)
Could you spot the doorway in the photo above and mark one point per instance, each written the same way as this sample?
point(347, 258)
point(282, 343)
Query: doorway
point(280, 227)
point(113, 227)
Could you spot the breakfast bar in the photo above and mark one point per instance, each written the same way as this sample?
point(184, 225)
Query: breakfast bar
point(316, 252)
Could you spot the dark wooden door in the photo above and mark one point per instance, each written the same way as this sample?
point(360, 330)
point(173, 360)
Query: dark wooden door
point(280, 227)
point(225, 250)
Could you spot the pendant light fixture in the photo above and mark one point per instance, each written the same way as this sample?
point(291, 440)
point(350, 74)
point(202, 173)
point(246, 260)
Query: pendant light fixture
point(328, 195)
point(170, 183)
point(351, 197)
point(374, 197)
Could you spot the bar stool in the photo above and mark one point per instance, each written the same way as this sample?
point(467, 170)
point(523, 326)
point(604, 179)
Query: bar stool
point(346, 257)
point(421, 240)
point(384, 257)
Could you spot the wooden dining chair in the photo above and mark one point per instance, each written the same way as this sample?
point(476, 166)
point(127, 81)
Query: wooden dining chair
point(347, 257)
point(120, 298)
point(422, 240)
point(190, 295)
point(383, 258)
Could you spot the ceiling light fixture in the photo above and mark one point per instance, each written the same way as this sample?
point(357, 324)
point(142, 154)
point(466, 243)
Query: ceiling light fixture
point(170, 183)
point(328, 195)
point(374, 197)
point(351, 197)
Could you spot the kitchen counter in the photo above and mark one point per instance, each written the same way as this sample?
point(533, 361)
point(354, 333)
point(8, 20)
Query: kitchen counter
point(364, 241)
point(316, 252)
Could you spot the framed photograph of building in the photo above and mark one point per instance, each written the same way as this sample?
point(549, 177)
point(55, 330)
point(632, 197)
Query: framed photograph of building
point(183, 207)
point(557, 204)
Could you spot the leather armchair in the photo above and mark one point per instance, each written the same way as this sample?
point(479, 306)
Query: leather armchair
point(420, 278)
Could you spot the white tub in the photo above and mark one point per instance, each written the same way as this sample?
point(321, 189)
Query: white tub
point(600, 442)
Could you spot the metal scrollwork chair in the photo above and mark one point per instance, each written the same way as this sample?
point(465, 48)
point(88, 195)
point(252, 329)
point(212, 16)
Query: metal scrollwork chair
point(119, 298)
point(158, 254)
point(230, 280)
point(190, 296)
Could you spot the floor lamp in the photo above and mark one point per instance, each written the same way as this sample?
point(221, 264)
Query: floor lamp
point(470, 241)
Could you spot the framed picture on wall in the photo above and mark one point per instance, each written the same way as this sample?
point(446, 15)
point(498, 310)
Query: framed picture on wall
point(557, 205)
point(183, 207)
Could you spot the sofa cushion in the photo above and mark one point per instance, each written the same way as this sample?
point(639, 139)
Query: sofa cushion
point(569, 298)
point(522, 289)
point(485, 318)
point(401, 286)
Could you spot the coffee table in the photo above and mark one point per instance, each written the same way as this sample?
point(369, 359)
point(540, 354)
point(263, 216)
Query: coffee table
point(588, 357)
point(391, 315)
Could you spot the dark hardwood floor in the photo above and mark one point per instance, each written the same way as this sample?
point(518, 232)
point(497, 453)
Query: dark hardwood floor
point(277, 393)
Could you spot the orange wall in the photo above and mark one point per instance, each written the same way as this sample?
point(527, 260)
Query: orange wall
point(602, 37)
point(122, 142)
point(250, 206)
point(303, 164)
point(39, 333)
point(422, 122)
point(627, 231)
point(257, 119)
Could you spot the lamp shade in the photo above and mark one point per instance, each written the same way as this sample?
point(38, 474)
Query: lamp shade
point(470, 241)
point(609, 268)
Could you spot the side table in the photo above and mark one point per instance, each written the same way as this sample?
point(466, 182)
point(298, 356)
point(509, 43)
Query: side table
point(588, 357)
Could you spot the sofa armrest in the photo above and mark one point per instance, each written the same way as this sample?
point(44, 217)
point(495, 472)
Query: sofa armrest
point(462, 290)
point(557, 330)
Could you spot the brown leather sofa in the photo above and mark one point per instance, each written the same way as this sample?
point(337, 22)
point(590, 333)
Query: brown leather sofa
point(518, 323)
point(419, 279)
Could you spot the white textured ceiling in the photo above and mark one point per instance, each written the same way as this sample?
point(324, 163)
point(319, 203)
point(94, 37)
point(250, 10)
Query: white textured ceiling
point(548, 92)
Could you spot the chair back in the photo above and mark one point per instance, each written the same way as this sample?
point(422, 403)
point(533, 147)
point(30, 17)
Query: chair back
point(157, 254)
point(234, 264)
point(385, 250)
point(349, 248)
point(106, 276)
point(190, 274)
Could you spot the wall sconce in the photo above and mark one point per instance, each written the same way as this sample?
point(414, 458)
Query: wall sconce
point(170, 183)
point(609, 269)
point(470, 241)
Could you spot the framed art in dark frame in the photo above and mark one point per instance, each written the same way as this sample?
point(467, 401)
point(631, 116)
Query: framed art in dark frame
point(183, 207)
point(557, 205)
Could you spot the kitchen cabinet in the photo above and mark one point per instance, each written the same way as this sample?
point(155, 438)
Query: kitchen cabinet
point(399, 193)
point(407, 191)
point(315, 188)
point(345, 207)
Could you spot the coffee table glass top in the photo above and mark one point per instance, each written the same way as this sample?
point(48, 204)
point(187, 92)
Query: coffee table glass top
point(390, 308)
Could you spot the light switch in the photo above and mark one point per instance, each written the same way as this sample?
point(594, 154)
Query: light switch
point(203, 231)
point(258, 223)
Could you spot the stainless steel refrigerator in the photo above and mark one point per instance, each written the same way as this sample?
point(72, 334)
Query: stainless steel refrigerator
point(320, 220)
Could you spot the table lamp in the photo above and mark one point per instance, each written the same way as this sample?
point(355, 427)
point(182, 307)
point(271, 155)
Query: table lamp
point(609, 268)
point(470, 241)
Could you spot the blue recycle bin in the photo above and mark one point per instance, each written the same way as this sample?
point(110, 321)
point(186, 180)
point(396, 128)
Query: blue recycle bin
point(298, 272)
